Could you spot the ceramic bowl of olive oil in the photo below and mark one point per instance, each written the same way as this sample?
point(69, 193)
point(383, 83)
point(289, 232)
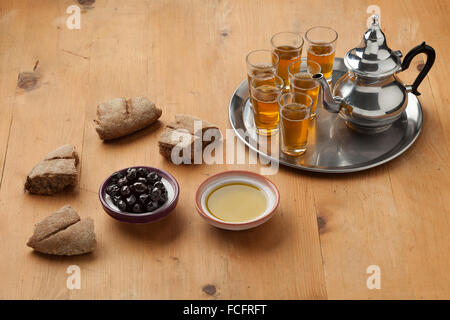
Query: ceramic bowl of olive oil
point(237, 200)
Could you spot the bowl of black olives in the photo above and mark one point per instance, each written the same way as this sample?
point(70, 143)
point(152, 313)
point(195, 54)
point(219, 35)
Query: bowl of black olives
point(139, 194)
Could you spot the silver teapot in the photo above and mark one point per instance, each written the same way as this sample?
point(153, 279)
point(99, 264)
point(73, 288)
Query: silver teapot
point(370, 97)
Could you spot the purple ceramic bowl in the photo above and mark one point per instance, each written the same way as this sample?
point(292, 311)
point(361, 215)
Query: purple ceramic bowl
point(173, 191)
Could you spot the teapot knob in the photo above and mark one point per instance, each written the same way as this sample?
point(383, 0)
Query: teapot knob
point(375, 20)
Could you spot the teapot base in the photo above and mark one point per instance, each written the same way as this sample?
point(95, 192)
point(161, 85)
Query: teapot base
point(365, 129)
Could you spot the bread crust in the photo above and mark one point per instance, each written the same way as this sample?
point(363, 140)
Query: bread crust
point(187, 122)
point(184, 134)
point(64, 152)
point(59, 220)
point(120, 116)
point(55, 173)
point(170, 138)
point(64, 233)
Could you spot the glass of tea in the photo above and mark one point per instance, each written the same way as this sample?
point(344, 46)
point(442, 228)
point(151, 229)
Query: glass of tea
point(295, 114)
point(288, 47)
point(301, 80)
point(261, 64)
point(265, 93)
point(321, 48)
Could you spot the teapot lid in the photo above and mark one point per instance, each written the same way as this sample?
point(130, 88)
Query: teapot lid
point(373, 58)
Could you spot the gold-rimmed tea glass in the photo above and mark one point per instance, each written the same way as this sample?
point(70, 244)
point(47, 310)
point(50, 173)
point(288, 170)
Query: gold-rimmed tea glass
point(288, 47)
point(301, 80)
point(265, 94)
point(322, 47)
point(295, 115)
point(261, 64)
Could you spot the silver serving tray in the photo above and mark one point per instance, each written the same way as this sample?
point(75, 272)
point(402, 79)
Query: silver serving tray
point(332, 147)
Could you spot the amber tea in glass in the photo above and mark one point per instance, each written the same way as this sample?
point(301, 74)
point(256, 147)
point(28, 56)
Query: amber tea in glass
point(295, 115)
point(301, 80)
point(261, 64)
point(265, 94)
point(321, 48)
point(288, 47)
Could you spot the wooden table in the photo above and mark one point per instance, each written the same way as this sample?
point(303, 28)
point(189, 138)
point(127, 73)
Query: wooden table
point(188, 57)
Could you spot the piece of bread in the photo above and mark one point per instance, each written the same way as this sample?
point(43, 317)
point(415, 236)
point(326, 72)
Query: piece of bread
point(180, 138)
point(55, 173)
point(64, 152)
point(63, 233)
point(119, 117)
point(184, 133)
point(187, 122)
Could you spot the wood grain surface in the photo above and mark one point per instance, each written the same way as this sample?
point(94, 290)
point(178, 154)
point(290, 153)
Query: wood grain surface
point(188, 57)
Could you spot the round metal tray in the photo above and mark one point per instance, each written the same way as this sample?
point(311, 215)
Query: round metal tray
point(332, 147)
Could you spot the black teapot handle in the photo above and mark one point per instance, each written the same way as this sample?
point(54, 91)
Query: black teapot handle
point(431, 56)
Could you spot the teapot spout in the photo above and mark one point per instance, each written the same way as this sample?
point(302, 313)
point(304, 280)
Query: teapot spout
point(330, 102)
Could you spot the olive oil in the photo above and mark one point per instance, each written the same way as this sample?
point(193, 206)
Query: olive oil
point(236, 202)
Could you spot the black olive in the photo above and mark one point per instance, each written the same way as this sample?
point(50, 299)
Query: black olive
point(112, 190)
point(139, 187)
point(109, 189)
point(144, 198)
point(155, 194)
point(131, 200)
point(116, 176)
point(122, 205)
point(116, 199)
point(142, 180)
point(159, 184)
point(156, 190)
point(125, 191)
point(131, 175)
point(122, 182)
point(152, 206)
point(152, 177)
point(164, 196)
point(137, 208)
point(142, 172)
